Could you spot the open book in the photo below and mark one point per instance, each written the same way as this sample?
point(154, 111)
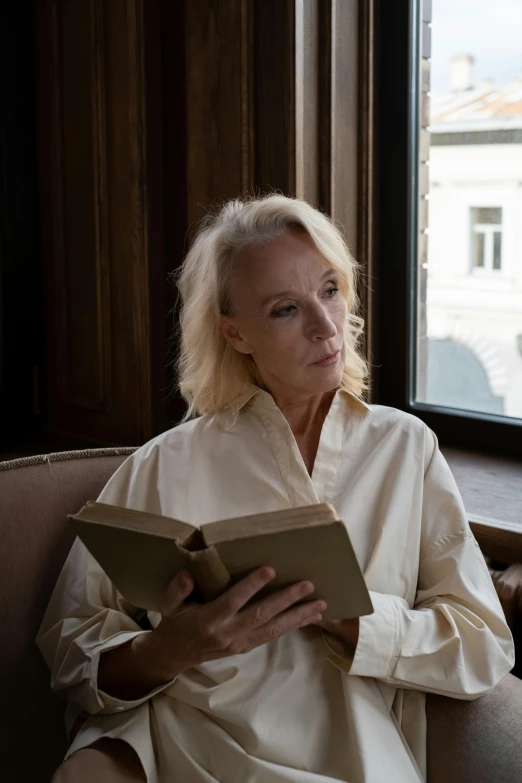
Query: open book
point(141, 553)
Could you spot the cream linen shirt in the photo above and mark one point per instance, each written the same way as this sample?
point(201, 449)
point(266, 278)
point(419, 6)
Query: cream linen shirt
point(298, 708)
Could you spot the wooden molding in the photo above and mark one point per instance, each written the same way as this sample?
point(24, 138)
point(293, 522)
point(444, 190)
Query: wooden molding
point(307, 163)
point(324, 153)
point(344, 168)
point(54, 186)
point(139, 261)
point(367, 228)
point(247, 125)
point(101, 215)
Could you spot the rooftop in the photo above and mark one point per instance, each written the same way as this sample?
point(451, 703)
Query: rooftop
point(483, 108)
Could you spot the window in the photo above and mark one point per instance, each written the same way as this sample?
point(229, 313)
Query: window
point(486, 239)
point(470, 354)
point(450, 211)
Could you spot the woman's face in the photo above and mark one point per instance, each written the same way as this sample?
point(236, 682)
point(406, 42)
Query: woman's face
point(289, 313)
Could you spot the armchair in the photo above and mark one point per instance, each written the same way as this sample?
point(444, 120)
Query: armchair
point(468, 742)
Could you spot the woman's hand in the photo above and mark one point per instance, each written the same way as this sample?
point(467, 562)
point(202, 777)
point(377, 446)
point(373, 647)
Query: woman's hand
point(345, 630)
point(190, 633)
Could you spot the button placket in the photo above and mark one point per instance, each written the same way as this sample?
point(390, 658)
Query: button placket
point(329, 451)
point(299, 487)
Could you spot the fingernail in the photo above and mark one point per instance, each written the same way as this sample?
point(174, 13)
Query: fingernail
point(267, 573)
point(321, 606)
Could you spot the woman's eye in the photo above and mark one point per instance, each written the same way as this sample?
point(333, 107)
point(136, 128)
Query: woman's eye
point(286, 311)
point(282, 312)
point(334, 289)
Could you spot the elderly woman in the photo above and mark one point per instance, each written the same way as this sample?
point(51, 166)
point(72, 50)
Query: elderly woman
point(241, 690)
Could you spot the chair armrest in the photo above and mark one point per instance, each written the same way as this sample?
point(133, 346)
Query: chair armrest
point(476, 741)
point(501, 545)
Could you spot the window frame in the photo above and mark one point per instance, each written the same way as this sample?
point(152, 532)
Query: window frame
point(399, 27)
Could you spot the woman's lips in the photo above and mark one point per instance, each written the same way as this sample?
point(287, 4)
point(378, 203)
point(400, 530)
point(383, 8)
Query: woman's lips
point(329, 360)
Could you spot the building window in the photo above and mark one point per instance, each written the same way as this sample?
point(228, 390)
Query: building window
point(486, 239)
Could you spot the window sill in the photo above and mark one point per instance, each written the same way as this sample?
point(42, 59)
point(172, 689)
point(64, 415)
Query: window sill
point(490, 485)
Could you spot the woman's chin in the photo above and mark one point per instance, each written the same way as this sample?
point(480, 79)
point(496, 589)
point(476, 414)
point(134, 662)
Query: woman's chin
point(328, 379)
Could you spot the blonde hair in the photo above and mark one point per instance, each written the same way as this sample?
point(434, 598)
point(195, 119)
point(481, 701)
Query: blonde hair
point(210, 372)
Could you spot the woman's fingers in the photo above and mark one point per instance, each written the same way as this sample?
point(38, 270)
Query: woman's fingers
point(233, 600)
point(291, 620)
point(262, 612)
point(288, 621)
point(224, 627)
point(175, 594)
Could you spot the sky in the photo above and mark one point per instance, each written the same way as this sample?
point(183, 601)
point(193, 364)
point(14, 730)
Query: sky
point(490, 30)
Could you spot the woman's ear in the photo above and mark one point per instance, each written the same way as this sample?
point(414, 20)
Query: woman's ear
point(232, 334)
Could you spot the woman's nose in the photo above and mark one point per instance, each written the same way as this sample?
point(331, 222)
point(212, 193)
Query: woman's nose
point(320, 324)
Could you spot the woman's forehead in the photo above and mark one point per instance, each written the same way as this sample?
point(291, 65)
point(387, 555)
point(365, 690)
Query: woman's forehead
point(290, 253)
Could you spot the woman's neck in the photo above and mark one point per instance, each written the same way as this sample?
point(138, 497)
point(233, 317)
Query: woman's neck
point(306, 418)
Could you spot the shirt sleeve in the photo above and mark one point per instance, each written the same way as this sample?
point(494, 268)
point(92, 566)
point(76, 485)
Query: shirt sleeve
point(87, 616)
point(455, 640)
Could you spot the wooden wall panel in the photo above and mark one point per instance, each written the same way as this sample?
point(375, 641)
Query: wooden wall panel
point(80, 285)
point(95, 220)
point(273, 65)
point(217, 95)
point(152, 112)
point(128, 214)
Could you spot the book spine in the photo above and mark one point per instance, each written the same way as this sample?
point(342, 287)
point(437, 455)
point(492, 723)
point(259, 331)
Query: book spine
point(208, 571)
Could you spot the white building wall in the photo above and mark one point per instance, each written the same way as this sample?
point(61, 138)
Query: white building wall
point(482, 310)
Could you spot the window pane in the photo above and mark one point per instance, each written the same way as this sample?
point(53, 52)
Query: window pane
point(478, 249)
point(469, 274)
point(497, 249)
point(491, 215)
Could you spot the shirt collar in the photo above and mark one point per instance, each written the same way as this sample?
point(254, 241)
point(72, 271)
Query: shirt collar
point(264, 397)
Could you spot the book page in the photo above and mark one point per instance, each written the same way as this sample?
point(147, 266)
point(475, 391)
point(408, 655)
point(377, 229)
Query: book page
point(130, 519)
point(268, 522)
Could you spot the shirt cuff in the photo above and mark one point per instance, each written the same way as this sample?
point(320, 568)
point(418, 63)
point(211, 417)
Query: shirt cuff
point(377, 648)
point(109, 704)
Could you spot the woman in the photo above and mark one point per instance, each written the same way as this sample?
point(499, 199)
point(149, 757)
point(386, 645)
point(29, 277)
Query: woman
point(270, 692)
